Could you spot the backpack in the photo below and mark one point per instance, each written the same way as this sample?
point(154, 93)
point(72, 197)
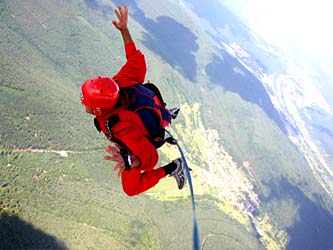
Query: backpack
point(146, 101)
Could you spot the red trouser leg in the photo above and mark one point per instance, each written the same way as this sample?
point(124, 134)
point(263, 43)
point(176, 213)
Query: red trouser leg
point(135, 182)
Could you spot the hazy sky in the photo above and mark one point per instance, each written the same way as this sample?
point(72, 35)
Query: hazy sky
point(306, 24)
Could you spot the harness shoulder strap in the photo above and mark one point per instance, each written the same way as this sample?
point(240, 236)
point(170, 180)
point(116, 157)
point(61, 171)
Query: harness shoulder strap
point(112, 120)
point(97, 126)
point(124, 151)
point(105, 125)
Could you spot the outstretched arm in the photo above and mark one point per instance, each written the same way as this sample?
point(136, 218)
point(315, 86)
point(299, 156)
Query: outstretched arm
point(121, 24)
point(134, 70)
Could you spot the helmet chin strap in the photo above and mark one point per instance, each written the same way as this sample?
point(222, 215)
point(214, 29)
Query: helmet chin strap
point(98, 111)
point(102, 111)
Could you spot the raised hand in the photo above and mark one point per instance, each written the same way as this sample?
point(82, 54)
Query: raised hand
point(122, 15)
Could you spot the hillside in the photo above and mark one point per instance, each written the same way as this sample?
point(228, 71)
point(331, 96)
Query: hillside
point(254, 188)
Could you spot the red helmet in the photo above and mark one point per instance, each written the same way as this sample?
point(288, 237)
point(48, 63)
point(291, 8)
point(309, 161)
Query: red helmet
point(99, 93)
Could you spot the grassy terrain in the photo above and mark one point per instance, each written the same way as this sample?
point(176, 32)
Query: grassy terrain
point(79, 200)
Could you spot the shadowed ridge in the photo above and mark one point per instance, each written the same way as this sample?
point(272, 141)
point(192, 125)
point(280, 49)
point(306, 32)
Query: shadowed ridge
point(313, 224)
point(18, 234)
point(222, 72)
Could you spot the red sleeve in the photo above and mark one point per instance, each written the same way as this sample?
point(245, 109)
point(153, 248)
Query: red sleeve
point(134, 70)
point(129, 134)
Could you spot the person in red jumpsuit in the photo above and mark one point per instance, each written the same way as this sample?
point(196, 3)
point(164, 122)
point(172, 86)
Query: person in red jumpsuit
point(102, 98)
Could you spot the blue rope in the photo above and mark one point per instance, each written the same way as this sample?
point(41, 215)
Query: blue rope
point(196, 239)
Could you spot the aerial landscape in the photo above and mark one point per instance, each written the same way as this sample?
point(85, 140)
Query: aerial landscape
point(255, 125)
